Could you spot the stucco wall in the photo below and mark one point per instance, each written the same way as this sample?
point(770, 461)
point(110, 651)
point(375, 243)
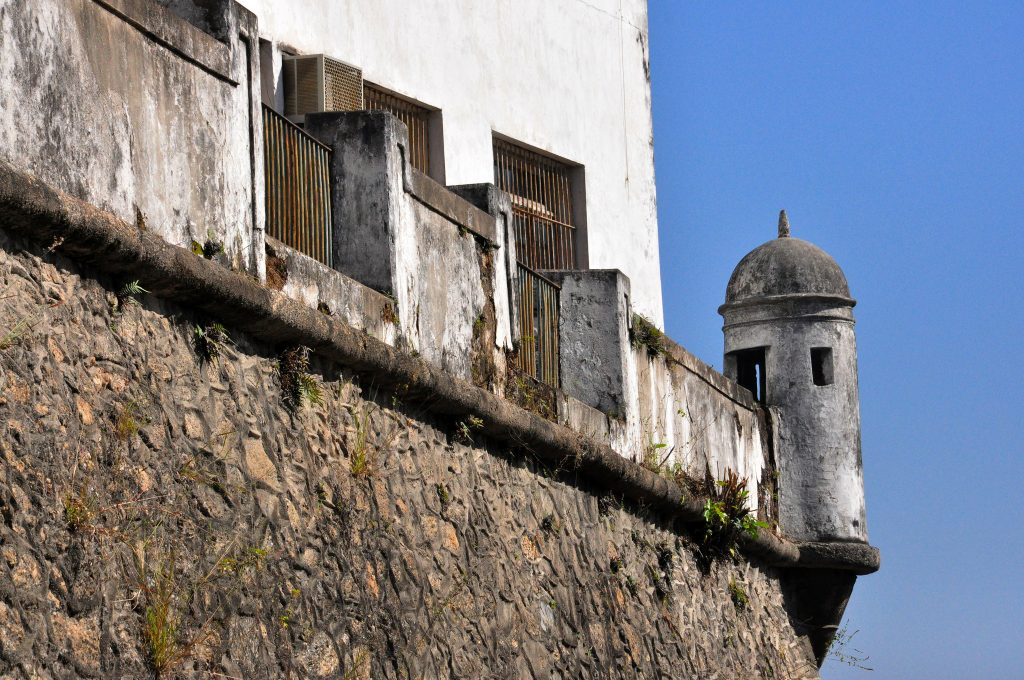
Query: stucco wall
point(439, 257)
point(658, 405)
point(689, 415)
point(125, 105)
point(131, 474)
point(567, 77)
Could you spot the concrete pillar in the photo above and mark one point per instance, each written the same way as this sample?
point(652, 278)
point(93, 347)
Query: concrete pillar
point(367, 168)
point(498, 205)
point(593, 326)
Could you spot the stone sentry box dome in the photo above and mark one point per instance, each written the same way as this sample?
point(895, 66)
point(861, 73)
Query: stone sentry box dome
point(789, 339)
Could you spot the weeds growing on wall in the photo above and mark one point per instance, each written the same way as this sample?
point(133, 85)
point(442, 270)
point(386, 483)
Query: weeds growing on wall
point(79, 510)
point(726, 517)
point(210, 342)
point(551, 525)
point(443, 495)
point(298, 388)
point(389, 312)
point(644, 334)
point(127, 295)
point(656, 457)
point(360, 453)
point(129, 419)
point(18, 332)
point(209, 250)
point(465, 429)
point(160, 625)
point(738, 595)
point(842, 650)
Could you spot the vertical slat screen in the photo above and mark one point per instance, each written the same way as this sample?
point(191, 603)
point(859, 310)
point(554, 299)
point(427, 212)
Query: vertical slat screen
point(541, 194)
point(414, 116)
point(538, 326)
point(297, 170)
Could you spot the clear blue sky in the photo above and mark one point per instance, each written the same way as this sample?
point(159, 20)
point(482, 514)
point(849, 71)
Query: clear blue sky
point(893, 135)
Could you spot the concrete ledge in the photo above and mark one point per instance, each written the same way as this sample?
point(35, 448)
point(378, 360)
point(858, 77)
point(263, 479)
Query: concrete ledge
point(680, 355)
point(450, 205)
point(174, 33)
point(32, 210)
point(319, 287)
point(859, 558)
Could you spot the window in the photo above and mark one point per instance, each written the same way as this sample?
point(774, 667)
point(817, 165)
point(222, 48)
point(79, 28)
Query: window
point(421, 122)
point(821, 365)
point(541, 189)
point(747, 367)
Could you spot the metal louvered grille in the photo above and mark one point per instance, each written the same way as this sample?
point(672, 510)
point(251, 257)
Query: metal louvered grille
point(414, 116)
point(538, 326)
point(343, 86)
point(317, 83)
point(302, 85)
point(541, 194)
point(297, 171)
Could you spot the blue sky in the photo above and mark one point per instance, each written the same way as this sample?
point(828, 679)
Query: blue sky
point(893, 135)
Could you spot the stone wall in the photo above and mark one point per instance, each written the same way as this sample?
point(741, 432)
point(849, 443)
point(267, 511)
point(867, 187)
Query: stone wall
point(145, 490)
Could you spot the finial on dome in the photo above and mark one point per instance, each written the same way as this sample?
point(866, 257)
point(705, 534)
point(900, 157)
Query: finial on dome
point(783, 224)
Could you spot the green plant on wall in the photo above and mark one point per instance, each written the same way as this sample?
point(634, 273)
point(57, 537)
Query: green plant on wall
point(738, 595)
point(209, 250)
point(361, 454)
point(18, 332)
point(79, 510)
point(210, 342)
point(160, 625)
point(656, 457)
point(726, 516)
point(297, 386)
point(128, 294)
point(129, 418)
point(644, 334)
point(465, 428)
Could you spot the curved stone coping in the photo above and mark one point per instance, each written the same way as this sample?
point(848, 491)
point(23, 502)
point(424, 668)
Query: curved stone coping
point(859, 558)
point(767, 300)
point(31, 209)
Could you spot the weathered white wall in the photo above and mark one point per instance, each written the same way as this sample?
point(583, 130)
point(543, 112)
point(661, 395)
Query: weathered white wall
point(565, 76)
point(122, 104)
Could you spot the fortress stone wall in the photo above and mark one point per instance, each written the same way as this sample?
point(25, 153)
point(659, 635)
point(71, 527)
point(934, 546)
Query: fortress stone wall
point(220, 457)
point(133, 474)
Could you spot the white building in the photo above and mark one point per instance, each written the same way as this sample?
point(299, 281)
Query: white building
point(567, 79)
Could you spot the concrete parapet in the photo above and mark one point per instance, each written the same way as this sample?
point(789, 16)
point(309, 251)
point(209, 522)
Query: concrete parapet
point(330, 292)
point(31, 209)
point(444, 260)
point(692, 419)
point(660, 405)
point(366, 183)
point(162, 129)
point(498, 205)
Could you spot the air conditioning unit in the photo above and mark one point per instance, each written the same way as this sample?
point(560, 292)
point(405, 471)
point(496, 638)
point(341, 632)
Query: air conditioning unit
point(315, 83)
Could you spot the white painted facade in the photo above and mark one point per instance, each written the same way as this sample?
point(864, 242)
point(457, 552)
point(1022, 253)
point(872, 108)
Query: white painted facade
point(566, 77)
